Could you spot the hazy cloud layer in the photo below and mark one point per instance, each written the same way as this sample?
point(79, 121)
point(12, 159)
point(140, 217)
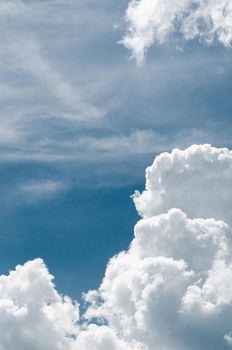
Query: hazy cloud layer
point(154, 21)
point(68, 93)
point(171, 289)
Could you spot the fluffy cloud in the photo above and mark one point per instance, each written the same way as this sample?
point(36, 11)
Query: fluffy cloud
point(32, 314)
point(172, 289)
point(197, 180)
point(153, 21)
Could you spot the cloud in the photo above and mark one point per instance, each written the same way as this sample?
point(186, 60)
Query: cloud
point(154, 21)
point(139, 141)
point(32, 313)
point(102, 148)
point(37, 89)
point(172, 289)
point(12, 7)
point(136, 142)
point(36, 190)
point(196, 180)
point(25, 54)
point(66, 94)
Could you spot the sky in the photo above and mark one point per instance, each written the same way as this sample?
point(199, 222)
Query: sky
point(91, 93)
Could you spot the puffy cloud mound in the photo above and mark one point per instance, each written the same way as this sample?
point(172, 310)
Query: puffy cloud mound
point(32, 314)
point(172, 289)
point(153, 21)
point(197, 180)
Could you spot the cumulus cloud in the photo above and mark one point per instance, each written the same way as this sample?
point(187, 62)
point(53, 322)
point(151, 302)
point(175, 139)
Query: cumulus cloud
point(172, 289)
point(196, 180)
point(154, 21)
point(32, 314)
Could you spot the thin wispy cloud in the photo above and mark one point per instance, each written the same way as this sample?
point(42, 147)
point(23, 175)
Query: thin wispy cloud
point(89, 148)
point(40, 190)
point(136, 142)
point(25, 55)
point(34, 89)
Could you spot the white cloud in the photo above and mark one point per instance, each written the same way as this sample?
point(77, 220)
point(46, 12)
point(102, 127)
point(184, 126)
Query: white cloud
point(32, 314)
point(154, 21)
point(196, 180)
point(162, 300)
point(171, 289)
point(102, 338)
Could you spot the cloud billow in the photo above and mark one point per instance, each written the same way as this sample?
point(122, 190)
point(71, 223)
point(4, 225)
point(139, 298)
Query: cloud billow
point(172, 289)
point(152, 22)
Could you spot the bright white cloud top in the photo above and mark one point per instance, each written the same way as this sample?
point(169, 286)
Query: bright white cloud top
point(172, 289)
point(196, 180)
point(154, 21)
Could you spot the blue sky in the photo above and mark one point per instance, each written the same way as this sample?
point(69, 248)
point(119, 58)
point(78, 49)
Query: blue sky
point(80, 121)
